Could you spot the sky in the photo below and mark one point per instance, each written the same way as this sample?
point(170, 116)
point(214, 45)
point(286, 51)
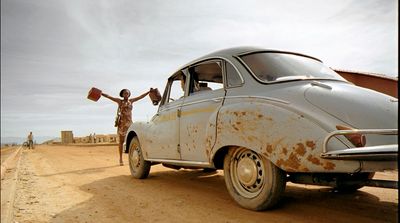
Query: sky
point(54, 51)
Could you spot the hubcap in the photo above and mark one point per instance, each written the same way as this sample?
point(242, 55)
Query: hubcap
point(247, 172)
point(135, 157)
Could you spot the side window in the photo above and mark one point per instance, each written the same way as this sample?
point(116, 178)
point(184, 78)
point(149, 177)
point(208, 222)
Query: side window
point(178, 87)
point(206, 76)
point(175, 88)
point(234, 79)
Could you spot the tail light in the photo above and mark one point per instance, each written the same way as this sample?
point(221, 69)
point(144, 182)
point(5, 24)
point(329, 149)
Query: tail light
point(357, 139)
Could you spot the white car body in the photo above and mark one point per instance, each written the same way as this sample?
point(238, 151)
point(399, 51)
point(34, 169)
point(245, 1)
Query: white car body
point(291, 121)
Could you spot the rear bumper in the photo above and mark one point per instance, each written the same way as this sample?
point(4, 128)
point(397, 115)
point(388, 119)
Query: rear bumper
point(372, 153)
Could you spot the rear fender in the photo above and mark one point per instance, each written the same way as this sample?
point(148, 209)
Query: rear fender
point(288, 139)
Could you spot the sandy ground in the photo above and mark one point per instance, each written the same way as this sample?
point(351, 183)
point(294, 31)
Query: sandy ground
point(85, 184)
point(6, 152)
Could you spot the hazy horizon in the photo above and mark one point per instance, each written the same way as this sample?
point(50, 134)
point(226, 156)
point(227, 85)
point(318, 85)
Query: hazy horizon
point(53, 52)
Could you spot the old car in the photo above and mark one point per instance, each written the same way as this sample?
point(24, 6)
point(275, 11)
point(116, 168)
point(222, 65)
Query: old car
point(267, 117)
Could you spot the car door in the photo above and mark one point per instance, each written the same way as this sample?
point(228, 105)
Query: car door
point(199, 110)
point(165, 127)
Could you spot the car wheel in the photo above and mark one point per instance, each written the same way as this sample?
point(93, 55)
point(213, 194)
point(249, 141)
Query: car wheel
point(349, 177)
point(139, 167)
point(253, 181)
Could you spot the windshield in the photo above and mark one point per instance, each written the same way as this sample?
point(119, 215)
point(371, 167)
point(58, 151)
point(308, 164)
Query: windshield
point(277, 66)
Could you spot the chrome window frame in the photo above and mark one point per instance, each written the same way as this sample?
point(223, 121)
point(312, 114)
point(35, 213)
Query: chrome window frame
point(238, 57)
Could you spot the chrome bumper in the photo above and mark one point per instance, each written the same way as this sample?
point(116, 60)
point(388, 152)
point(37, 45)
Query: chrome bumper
point(376, 153)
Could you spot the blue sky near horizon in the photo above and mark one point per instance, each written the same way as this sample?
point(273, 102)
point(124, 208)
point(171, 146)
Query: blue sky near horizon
point(54, 51)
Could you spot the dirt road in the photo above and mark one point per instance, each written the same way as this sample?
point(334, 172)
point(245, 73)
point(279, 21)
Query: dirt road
point(85, 184)
point(6, 152)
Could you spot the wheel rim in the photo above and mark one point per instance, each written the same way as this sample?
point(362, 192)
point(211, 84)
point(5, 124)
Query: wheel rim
point(134, 157)
point(247, 173)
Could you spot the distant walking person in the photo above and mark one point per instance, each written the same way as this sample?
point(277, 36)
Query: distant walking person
point(30, 141)
point(124, 115)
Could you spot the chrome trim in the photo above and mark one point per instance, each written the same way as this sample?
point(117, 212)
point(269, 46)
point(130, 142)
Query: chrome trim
point(259, 97)
point(217, 99)
point(319, 84)
point(276, 51)
point(166, 109)
point(356, 131)
point(182, 162)
point(204, 59)
point(237, 71)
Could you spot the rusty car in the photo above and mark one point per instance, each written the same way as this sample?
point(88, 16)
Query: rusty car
point(268, 117)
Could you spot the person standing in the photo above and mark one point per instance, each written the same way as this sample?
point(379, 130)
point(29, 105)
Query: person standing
point(124, 119)
point(30, 141)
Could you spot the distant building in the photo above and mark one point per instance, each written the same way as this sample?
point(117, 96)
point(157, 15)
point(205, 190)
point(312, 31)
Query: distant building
point(110, 138)
point(67, 137)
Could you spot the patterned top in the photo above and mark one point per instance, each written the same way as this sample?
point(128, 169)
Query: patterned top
point(125, 117)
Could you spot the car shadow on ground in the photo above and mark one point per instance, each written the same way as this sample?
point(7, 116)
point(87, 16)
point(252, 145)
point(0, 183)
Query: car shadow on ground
point(191, 195)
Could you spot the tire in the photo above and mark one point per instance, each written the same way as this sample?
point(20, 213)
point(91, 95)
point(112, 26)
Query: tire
point(253, 181)
point(139, 167)
point(353, 188)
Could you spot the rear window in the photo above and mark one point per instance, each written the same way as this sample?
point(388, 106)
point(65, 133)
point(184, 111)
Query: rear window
point(273, 66)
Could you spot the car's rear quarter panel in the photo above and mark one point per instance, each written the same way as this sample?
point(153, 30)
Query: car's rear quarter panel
point(288, 139)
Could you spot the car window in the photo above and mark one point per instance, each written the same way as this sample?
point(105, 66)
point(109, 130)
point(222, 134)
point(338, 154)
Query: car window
point(177, 88)
point(276, 66)
point(206, 76)
point(234, 79)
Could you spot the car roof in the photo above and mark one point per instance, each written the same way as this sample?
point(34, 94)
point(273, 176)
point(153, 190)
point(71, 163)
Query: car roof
point(242, 50)
point(238, 51)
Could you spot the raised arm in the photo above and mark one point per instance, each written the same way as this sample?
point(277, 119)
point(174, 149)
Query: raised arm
point(117, 100)
point(139, 97)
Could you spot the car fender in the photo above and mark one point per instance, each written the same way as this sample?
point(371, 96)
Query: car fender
point(137, 129)
point(285, 137)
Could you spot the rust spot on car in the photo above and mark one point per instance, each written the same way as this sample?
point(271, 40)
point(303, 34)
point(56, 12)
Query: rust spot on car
point(292, 163)
point(279, 162)
point(305, 169)
point(310, 144)
point(238, 123)
point(329, 166)
point(251, 138)
point(260, 116)
point(243, 113)
point(300, 149)
point(313, 160)
point(284, 151)
point(290, 170)
point(236, 128)
point(269, 149)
